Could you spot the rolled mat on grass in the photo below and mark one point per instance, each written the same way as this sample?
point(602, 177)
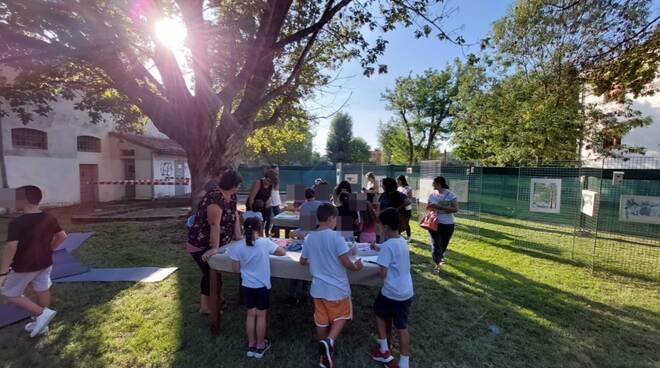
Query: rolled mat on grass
point(65, 264)
point(10, 314)
point(73, 241)
point(137, 274)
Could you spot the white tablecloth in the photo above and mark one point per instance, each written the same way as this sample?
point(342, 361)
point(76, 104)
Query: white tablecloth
point(287, 220)
point(288, 267)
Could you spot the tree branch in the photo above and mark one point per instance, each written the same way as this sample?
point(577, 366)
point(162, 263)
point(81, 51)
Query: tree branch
point(197, 39)
point(261, 66)
point(327, 16)
point(272, 119)
point(295, 73)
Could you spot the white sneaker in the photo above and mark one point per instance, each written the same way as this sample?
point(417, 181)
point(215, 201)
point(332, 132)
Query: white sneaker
point(30, 326)
point(42, 321)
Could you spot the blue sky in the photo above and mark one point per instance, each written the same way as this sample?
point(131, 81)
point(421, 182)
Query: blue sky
point(471, 18)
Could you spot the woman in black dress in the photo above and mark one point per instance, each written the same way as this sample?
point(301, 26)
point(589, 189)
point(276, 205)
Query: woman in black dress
point(391, 197)
point(216, 224)
point(262, 189)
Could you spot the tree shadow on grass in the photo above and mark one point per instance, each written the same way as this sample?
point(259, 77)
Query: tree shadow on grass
point(520, 224)
point(72, 340)
point(544, 325)
point(555, 254)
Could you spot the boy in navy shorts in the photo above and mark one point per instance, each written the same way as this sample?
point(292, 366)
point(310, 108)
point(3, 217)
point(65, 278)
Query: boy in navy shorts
point(31, 239)
point(394, 299)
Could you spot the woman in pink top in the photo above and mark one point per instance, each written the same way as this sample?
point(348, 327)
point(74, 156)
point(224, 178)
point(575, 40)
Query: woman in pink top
point(368, 225)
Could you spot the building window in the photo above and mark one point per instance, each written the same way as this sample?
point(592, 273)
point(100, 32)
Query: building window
point(29, 138)
point(88, 144)
point(128, 152)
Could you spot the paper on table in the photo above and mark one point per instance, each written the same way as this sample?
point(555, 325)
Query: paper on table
point(370, 259)
point(364, 250)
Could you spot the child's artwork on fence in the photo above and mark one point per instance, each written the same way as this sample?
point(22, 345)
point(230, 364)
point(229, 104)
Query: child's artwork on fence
point(545, 195)
point(461, 188)
point(644, 209)
point(589, 202)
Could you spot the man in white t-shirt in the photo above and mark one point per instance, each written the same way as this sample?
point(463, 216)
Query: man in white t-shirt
point(327, 255)
point(395, 297)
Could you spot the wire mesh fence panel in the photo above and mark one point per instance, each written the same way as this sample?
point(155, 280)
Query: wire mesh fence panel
point(465, 182)
point(605, 215)
point(628, 238)
point(546, 210)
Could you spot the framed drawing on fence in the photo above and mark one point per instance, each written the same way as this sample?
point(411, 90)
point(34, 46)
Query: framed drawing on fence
point(545, 195)
point(425, 189)
point(351, 178)
point(643, 209)
point(461, 188)
point(589, 202)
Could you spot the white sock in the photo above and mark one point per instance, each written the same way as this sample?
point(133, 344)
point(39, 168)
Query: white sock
point(403, 361)
point(383, 345)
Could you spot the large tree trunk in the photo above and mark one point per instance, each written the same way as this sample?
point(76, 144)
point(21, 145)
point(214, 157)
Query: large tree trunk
point(208, 150)
point(429, 144)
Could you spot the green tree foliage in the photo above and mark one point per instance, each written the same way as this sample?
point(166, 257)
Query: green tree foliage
point(360, 151)
point(525, 102)
point(286, 143)
point(338, 147)
point(247, 63)
point(393, 141)
point(514, 119)
point(422, 106)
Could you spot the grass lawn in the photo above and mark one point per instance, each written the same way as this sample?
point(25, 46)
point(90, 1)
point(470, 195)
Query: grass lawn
point(495, 305)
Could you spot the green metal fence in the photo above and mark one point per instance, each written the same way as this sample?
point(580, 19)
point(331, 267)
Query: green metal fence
point(511, 207)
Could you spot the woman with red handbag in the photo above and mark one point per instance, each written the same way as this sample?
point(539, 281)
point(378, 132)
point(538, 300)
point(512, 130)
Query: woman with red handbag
point(444, 203)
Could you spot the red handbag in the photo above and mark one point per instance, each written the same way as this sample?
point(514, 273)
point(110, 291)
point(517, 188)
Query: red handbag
point(430, 221)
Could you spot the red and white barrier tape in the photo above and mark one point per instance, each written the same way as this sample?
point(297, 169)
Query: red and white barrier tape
point(185, 181)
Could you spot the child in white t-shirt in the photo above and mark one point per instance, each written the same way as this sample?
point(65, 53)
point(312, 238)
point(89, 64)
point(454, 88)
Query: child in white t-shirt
point(394, 299)
point(252, 260)
point(327, 255)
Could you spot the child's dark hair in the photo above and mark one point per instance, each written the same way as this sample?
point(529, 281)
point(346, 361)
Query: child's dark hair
point(402, 179)
point(272, 176)
point(389, 185)
point(369, 216)
point(250, 226)
point(309, 193)
point(326, 211)
point(390, 218)
point(230, 179)
point(257, 205)
point(441, 181)
point(30, 193)
point(343, 185)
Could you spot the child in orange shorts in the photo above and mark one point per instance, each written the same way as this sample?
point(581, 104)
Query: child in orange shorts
point(327, 255)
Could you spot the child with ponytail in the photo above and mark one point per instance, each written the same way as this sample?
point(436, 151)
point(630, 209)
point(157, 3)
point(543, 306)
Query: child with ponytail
point(251, 259)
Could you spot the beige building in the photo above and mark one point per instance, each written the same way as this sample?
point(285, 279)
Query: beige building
point(73, 160)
